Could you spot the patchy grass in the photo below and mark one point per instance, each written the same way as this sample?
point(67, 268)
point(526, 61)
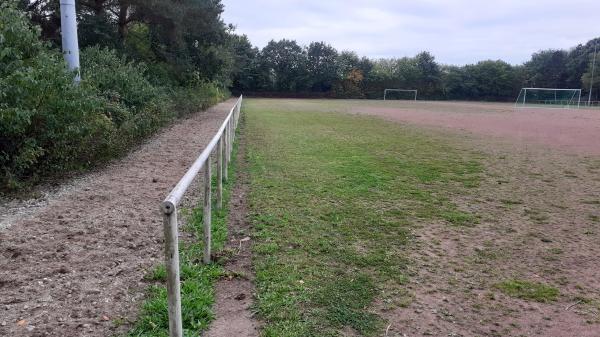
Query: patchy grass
point(510, 202)
point(527, 290)
point(197, 279)
point(334, 199)
point(537, 216)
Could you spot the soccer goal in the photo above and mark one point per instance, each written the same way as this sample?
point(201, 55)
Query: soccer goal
point(549, 97)
point(400, 94)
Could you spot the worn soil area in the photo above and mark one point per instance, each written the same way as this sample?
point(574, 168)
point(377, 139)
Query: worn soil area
point(539, 210)
point(573, 130)
point(75, 264)
point(234, 294)
point(539, 222)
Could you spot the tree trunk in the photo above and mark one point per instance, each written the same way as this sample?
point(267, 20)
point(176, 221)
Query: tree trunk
point(123, 19)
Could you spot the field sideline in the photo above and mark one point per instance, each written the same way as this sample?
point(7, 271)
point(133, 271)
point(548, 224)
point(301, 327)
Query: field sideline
point(363, 226)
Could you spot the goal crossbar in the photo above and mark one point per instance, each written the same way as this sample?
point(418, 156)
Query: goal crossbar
point(385, 92)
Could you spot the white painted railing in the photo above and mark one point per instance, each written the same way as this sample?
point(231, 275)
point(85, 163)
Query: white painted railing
point(223, 141)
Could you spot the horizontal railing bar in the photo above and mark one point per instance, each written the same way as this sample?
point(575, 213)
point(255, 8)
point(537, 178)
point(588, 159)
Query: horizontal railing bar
point(176, 194)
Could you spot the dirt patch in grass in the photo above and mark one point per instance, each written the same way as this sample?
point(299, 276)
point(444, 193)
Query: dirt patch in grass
point(76, 266)
point(536, 209)
point(235, 292)
point(457, 270)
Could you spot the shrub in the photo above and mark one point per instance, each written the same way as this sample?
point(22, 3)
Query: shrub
point(185, 100)
point(137, 107)
point(117, 79)
point(48, 125)
point(37, 134)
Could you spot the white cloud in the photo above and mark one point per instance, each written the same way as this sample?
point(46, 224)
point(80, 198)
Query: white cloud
point(455, 31)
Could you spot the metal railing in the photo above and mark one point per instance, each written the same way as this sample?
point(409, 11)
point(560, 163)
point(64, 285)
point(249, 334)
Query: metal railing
point(223, 142)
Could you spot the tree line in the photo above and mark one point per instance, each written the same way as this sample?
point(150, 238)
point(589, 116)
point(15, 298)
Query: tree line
point(186, 41)
point(285, 68)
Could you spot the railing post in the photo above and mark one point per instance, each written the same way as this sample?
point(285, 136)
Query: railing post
point(172, 266)
point(232, 126)
point(229, 140)
point(225, 147)
point(220, 173)
point(207, 210)
point(232, 135)
point(239, 108)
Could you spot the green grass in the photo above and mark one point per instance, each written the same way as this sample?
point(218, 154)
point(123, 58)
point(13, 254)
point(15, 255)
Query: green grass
point(334, 199)
point(197, 279)
point(527, 290)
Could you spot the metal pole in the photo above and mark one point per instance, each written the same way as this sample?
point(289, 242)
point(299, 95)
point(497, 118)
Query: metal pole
point(172, 266)
point(220, 174)
point(206, 216)
point(70, 45)
point(592, 80)
point(225, 147)
point(237, 115)
point(233, 133)
point(229, 141)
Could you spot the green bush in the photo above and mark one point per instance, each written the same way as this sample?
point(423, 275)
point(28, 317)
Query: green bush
point(48, 125)
point(185, 100)
point(117, 79)
point(137, 107)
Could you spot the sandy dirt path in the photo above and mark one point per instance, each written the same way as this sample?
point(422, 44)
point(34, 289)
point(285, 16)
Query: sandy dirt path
point(573, 130)
point(75, 265)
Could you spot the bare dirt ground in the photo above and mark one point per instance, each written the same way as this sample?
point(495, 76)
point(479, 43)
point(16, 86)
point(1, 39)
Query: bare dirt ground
point(573, 130)
point(74, 265)
point(234, 295)
point(539, 204)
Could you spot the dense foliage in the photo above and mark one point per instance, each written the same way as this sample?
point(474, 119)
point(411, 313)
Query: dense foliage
point(284, 68)
point(48, 125)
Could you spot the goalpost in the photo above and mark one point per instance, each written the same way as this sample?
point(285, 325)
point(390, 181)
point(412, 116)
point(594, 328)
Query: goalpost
point(412, 93)
point(549, 97)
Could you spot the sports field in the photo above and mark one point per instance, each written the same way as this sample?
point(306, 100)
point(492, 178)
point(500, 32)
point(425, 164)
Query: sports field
point(345, 218)
point(423, 219)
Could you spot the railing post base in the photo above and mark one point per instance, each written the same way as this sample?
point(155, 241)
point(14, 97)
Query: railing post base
point(172, 267)
point(206, 216)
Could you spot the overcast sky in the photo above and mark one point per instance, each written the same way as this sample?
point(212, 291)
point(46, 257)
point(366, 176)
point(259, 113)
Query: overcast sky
point(455, 31)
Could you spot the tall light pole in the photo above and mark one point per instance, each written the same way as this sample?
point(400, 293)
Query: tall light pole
point(592, 80)
point(70, 44)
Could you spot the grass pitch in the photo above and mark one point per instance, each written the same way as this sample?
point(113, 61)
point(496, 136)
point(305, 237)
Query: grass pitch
point(334, 201)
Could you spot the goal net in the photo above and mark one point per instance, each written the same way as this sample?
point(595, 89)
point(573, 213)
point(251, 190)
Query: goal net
point(403, 94)
point(548, 97)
